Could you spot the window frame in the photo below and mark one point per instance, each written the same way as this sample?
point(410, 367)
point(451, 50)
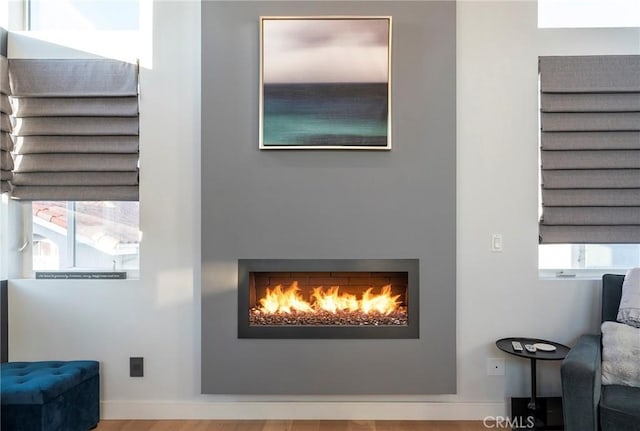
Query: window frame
point(576, 274)
point(71, 247)
point(586, 273)
point(21, 212)
point(568, 273)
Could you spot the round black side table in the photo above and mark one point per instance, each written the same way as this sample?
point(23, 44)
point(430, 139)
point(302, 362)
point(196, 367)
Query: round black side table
point(558, 354)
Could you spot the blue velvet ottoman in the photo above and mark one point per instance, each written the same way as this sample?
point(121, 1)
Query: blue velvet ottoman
point(50, 396)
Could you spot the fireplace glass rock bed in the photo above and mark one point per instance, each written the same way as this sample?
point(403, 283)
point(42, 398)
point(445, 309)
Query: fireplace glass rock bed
point(328, 298)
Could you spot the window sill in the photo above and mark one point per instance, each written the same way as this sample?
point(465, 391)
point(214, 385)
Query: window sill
point(82, 275)
point(576, 274)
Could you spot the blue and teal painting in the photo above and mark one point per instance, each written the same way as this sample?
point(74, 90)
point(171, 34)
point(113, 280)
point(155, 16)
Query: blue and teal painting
point(325, 114)
point(325, 82)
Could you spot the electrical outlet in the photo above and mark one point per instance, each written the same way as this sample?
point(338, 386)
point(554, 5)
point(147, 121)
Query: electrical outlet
point(495, 367)
point(136, 367)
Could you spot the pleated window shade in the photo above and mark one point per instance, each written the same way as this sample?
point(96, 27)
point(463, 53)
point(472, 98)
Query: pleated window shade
point(6, 140)
point(76, 130)
point(590, 149)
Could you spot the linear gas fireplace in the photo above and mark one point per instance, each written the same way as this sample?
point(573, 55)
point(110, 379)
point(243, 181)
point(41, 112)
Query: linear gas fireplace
point(371, 298)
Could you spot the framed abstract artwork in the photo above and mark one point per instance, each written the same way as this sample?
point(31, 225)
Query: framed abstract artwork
point(325, 83)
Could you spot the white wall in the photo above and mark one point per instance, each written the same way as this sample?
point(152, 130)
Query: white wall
point(499, 294)
point(156, 317)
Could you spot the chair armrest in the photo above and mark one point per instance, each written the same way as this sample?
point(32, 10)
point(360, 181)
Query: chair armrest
point(581, 379)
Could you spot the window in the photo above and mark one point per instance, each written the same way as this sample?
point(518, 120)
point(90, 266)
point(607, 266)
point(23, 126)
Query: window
point(117, 29)
point(82, 15)
point(46, 253)
point(589, 166)
point(588, 258)
point(85, 235)
point(588, 13)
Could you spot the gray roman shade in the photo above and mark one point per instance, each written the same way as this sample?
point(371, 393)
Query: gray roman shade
point(590, 149)
point(76, 129)
point(6, 140)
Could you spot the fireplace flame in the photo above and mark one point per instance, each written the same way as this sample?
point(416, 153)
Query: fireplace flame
point(278, 300)
point(333, 301)
point(286, 300)
point(382, 303)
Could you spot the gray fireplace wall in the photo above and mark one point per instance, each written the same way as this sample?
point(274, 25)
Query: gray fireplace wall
point(328, 204)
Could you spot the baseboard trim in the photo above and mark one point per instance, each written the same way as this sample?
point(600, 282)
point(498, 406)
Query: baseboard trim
point(301, 410)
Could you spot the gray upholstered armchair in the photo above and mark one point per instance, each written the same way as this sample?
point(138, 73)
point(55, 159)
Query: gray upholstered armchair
point(588, 405)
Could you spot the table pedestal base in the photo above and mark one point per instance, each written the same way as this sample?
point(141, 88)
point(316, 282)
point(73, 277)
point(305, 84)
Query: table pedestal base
point(548, 415)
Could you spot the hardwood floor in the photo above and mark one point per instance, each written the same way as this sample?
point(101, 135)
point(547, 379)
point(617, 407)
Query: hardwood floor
point(288, 425)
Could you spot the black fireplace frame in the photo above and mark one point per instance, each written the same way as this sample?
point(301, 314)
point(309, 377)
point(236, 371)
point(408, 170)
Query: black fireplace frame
point(410, 266)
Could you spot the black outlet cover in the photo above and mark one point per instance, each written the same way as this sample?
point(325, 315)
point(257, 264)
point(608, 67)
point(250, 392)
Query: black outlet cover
point(136, 367)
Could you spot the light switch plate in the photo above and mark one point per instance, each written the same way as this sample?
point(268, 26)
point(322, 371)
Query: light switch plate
point(496, 242)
